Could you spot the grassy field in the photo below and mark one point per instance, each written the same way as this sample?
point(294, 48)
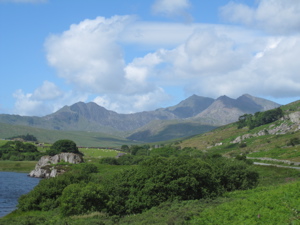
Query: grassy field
point(17, 166)
point(93, 154)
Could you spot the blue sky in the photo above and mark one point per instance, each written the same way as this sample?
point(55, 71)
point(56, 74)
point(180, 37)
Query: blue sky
point(133, 55)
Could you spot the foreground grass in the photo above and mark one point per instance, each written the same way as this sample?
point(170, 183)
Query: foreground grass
point(272, 205)
point(17, 166)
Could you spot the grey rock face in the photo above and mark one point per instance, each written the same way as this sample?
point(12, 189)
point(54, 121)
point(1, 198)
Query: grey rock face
point(43, 168)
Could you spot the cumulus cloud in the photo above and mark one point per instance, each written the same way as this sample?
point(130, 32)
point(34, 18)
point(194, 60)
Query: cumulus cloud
point(213, 63)
point(87, 55)
point(25, 105)
point(274, 16)
point(206, 53)
point(207, 60)
point(271, 72)
point(134, 103)
point(172, 8)
point(45, 100)
point(47, 91)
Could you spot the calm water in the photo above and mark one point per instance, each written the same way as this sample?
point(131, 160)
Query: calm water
point(12, 186)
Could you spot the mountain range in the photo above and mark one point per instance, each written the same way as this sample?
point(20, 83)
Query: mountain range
point(191, 116)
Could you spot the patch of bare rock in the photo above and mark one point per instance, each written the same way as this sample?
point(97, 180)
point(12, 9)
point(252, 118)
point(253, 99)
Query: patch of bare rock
point(291, 123)
point(46, 166)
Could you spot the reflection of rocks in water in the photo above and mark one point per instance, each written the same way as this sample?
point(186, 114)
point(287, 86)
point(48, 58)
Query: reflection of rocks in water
point(45, 168)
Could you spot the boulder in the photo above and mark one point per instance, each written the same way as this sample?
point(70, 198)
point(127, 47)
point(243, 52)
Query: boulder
point(45, 168)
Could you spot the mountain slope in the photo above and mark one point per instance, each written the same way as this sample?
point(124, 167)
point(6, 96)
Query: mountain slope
point(190, 107)
point(226, 110)
point(81, 138)
point(201, 111)
point(158, 130)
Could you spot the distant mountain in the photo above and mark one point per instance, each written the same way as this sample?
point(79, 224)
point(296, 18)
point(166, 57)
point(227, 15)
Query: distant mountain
point(185, 118)
point(190, 107)
point(226, 110)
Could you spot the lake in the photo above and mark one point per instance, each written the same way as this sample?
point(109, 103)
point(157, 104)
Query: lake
point(12, 186)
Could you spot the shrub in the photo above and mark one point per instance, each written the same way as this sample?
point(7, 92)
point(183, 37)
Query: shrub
point(109, 160)
point(80, 198)
point(63, 146)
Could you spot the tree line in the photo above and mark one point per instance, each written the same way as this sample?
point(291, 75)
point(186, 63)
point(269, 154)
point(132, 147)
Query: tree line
point(19, 151)
point(259, 118)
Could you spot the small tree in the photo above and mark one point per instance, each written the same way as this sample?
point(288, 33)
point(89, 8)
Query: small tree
point(63, 146)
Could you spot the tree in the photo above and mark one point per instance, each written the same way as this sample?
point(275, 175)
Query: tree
point(125, 148)
point(63, 146)
point(80, 198)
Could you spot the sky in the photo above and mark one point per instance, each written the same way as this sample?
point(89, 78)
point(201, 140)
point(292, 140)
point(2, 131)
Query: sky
point(132, 56)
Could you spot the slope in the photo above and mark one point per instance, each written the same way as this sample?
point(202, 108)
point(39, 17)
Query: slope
point(191, 116)
point(82, 138)
point(278, 140)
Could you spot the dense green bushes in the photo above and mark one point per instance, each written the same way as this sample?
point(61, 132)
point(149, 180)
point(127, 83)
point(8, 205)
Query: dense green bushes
point(155, 180)
point(63, 146)
point(259, 118)
point(19, 151)
point(80, 198)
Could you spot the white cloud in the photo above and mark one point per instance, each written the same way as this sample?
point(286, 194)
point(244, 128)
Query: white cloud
point(87, 55)
point(172, 8)
point(274, 73)
point(274, 16)
point(213, 62)
point(133, 103)
point(25, 105)
point(207, 53)
point(47, 91)
point(208, 60)
point(45, 100)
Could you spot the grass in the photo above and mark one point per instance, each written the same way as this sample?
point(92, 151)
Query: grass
point(278, 153)
point(17, 166)
point(272, 176)
point(272, 205)
point(97, 153)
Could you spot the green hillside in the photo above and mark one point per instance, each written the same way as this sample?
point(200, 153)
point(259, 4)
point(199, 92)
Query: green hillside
point(273, 140)
point(159, 130)
point(81, 138)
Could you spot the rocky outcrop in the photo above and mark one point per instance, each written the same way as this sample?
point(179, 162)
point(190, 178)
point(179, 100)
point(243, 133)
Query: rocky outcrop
point(46, 168)
point(291, 123)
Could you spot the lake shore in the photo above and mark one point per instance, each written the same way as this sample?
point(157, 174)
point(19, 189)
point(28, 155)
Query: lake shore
point(17, 166)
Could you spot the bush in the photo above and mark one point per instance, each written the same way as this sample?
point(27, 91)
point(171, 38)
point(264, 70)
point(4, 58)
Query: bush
point(63, 146)
point(160, 179)
point(109, 161)
point(294, 141)
point(80, 198)
point(89, 168)
point(236, 175)
point(45, 195)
